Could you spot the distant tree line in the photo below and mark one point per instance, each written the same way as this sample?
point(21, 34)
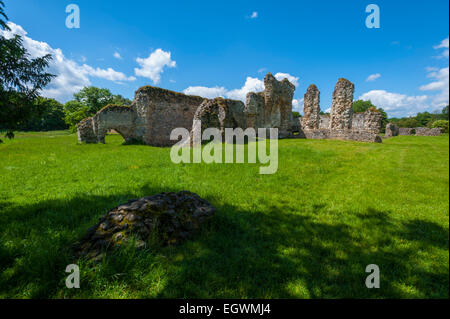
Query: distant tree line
point(424, 119)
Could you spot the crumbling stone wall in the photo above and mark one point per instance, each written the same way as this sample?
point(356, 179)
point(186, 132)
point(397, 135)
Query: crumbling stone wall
point(391, 130)
point(342, 105)
point(425, 131)
point(85, 131)
point(341, 124)
point(373, 120)
point(406, 131)
point(154, 113)
point(218, 113)
point(161, 111)
point(311, 118)
point(254, 109)
point(324, 121)
point(360, 135)
point(271, 108)
point(116, 117)
point(278, 104)
point(358, 121)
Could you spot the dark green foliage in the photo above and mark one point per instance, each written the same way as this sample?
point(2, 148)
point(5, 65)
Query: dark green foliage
point(21, 80)
point(424, 119)
point(3, 16)
point(296, 114)
point(443, 124)
point(89, 101)
point(48, 116)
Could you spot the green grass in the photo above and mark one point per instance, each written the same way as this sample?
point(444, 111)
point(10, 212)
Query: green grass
point(307, 231)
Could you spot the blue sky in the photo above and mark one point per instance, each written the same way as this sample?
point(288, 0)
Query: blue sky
point(226, 47)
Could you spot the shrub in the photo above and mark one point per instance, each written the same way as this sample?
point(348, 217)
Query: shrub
point(443, 124)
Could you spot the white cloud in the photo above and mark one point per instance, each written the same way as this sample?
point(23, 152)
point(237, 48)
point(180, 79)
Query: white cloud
point(108, 74)
point(293, 79)
point(207, 92)
point(297, 105)
point(440, 83)
point(153, 66)
point(251, 85)
point(396, 104)
point(70, 76)
point(117, 55)
point(373, 77)
point(254, 15)
point(443, 45)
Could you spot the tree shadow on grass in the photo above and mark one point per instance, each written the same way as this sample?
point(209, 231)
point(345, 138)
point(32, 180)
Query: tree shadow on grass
point(273, 253)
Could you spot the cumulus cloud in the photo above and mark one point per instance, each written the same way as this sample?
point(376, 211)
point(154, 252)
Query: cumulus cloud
point(297, 105)
point(396, 104)
point(153, 66)
point(108, 74)
point(251, 85)
point(117, 55)
point(373, 77)
point(293, 79)
point(254, 15)
point(443, 45)
point(441, 84)
point(70, 76)
point(207, 92)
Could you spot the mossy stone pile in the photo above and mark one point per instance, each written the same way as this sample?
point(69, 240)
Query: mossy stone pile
point(166, 218)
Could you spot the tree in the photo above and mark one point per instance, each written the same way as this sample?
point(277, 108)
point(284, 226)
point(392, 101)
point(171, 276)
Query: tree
point(360, 106)
point(423, 118)
point(442, 124)
point(49, 116)
point(21, 80)
point(3, 24)
point(120, 100)
point(445, 112)
point(74, 112)
point(94, 98)
point(89, 101)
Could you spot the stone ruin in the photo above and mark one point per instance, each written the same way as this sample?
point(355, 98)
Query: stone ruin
point(150, 119)
point(342, 123)
point(155, 112)
point(393, 130)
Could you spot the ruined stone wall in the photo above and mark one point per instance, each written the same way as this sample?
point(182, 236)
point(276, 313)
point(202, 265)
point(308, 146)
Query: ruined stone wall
point(391, 130)
point(342, 105)
point(344, 134)
point(85, 131)
point(341, 123)
point(406, 131)
point(271, 108)
point(311, 118)
point(161, 111)
point(324, 121)
point(278, 104)
point(218, 113)
point(373, 120)
point(358, 121)
point(116, 117)
point(254, 110)
point(425, 131)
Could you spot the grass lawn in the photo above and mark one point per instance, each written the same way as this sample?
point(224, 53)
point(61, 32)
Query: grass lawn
point(308, 231)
